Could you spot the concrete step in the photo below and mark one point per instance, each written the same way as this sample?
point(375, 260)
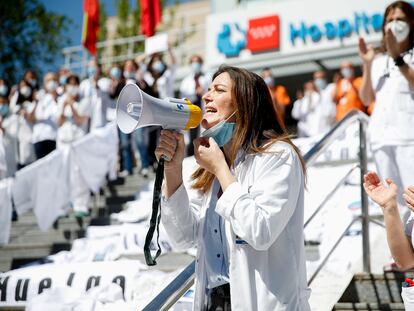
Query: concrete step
point(362, 306)
point(374, 292)
point(28, 242)
point(375, 288)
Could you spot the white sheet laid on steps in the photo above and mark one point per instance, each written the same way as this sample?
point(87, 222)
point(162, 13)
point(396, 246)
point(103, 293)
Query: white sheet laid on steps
point(44, 187)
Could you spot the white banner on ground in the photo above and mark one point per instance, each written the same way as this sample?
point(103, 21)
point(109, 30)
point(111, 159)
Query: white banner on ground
point(20, 285)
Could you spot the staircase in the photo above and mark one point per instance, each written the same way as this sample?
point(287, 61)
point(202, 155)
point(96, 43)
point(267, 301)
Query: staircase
point(27, 243)
point(374, 292)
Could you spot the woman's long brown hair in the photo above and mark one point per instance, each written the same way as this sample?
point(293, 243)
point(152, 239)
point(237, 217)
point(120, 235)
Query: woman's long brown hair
point(258, 124)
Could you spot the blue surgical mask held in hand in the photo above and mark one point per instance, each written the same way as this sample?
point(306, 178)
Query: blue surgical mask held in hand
point(222, 132)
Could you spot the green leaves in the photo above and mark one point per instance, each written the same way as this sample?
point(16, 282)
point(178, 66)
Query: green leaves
point(29, 36)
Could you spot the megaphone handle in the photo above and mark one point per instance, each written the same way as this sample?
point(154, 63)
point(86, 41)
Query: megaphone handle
point(155, 216)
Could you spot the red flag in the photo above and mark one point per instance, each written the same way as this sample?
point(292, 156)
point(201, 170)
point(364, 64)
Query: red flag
point(90, 24)
point(150, 16)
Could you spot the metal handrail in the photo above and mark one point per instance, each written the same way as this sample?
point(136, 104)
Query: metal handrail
point(330, 194)
point(354, 115)
point(178, 286)
point(170, 294)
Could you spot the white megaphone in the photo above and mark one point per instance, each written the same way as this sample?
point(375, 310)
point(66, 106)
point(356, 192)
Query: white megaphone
point(137, 109)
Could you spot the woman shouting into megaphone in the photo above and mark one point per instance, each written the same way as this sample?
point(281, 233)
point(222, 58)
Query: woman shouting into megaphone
point(247, 221)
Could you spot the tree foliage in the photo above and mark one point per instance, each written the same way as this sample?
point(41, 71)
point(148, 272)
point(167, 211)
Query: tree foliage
point(29, 36)
point(103, 16)
point(128, 25)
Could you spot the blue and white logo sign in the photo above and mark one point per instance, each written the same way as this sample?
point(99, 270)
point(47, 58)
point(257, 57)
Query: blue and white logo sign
point(362, 23)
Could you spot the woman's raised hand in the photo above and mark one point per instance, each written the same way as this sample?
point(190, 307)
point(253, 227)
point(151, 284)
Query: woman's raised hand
point(408, 196)
point(367, 53)
point(171, 146)
point(208, 154)
point(385, 196)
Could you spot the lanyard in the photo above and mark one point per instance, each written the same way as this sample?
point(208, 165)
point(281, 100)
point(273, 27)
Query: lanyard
point(155, 216)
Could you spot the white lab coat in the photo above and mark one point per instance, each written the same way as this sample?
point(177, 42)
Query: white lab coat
point(265, 209)
point(3, 162)
point(188, 86)
point(5, 209)
point(391, 122)
point(315, 112)
point(97, 99)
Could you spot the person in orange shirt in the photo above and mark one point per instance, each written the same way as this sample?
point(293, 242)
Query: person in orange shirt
point(279, 94)
point(345, 94)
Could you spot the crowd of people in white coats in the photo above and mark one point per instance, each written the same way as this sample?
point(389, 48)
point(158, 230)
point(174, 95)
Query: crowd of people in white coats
point(50, 120)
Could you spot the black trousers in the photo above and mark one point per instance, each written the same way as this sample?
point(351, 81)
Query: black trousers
point(219, 298)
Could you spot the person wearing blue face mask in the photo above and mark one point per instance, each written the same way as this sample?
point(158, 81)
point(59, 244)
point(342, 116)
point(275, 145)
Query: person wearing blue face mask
point(160, 78)
point(88, 86)
point(43, 118)
point(345, 93)
point(316, 111)
point(132, 75)
point(96, 97)
point(63, 75)
point(193, 87)
point(4, 88)
point(243, 206)
point(4, 108)
point(30, 77)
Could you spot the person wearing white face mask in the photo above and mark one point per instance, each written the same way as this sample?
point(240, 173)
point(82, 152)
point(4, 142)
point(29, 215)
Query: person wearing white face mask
point(96, 96)
point(193, 87)
point(18, 126)
point(63, 75)
point(72, 114)
point(388, 79)
point(43, 118)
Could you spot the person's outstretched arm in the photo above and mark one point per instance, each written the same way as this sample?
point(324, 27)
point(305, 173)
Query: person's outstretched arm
point(386, 197)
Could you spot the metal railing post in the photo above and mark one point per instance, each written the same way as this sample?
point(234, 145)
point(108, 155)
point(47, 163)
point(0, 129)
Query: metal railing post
point(364, 199)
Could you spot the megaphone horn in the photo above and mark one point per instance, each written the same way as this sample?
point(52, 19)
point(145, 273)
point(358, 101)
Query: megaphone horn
point(137, 109)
